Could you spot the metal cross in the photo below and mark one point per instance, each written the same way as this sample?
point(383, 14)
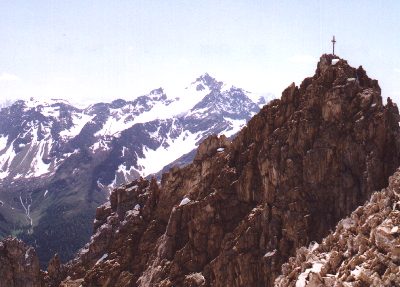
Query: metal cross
point(333, 44)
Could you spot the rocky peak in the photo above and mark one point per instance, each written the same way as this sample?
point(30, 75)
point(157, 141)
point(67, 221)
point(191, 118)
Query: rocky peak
point(232, 103)
point(158, 91)
point(207, 81)
point(333, 71)
point(150, 100)
point(117, 104)
point(325, 61)
point(157, 94)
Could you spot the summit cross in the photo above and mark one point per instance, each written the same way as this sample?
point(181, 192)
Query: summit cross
point(333, 44)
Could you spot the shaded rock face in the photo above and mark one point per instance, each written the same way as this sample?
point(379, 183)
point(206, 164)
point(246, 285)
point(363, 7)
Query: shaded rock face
point(19, 265)
point(235, 215)
point(364, 250)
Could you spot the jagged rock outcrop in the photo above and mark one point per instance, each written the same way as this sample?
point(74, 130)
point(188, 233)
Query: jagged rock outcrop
point(364, 250)
point(19, 265)
point(235, 215)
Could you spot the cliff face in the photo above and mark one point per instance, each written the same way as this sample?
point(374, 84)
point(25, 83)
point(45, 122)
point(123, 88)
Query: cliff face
point(235, 215)
point(19, 265)
point(364, 250)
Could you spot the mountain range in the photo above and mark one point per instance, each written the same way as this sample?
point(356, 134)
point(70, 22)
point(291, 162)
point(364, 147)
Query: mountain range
point(59, 162)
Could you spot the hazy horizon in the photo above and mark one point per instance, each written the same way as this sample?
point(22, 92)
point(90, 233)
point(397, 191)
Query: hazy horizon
point(88, 51)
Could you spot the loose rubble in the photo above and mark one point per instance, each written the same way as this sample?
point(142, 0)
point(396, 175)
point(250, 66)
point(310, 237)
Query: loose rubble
point(364, 249)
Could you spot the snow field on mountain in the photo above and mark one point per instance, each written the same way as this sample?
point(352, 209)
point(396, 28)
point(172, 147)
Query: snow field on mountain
point(154, 160)
point(5, 160)
point(235, 126)
point(37, 149)
point(3, 142)
point(79, 120)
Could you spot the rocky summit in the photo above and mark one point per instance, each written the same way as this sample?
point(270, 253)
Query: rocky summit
point(242, 208)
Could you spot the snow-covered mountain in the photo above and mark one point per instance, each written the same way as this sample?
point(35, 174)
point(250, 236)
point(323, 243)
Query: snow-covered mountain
point(58, 162)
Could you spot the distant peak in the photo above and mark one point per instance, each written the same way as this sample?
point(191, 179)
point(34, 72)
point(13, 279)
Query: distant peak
point(206, 80)
point(155, 95)
point(158, 91)
point(35, 102)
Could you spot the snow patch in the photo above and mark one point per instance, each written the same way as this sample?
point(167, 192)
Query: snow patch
point(313, 246)
point(126, 173)
point(26, 204)
point(3, 142)
point(234, 126)
point(114, 126)
point(159, 111)
point(50, 111)
point(220, 149)
point(334, 62)
point(171, 149)
point(5, 160)
point(132, 188)
point(37, 166)
point(99, 145)
point(45, 103)
point(356, 272)
point(79, 120)
point(18, 175)
point(302, 279)
point(105, 255)
point(270, 253)
point(68, 154)
point(184, 201)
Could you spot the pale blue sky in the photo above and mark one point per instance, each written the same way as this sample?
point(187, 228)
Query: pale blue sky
point(87, 51)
